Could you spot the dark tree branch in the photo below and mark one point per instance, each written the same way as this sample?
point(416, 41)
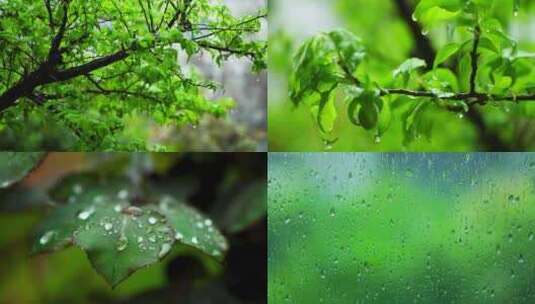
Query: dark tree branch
point(87, 68)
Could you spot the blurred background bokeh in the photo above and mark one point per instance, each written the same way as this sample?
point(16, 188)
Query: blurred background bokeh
point(401, 228)
point(228, 187)
point(384, 27)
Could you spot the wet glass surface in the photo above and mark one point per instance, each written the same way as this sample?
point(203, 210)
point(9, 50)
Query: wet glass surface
point(401, 228)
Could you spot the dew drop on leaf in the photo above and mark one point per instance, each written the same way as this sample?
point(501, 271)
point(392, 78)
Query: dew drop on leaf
point(84, 215)
point(194, 240)
point(108, 226)
point(123, 243)
point(178, 236)
point(152, 220)
point(46, 237)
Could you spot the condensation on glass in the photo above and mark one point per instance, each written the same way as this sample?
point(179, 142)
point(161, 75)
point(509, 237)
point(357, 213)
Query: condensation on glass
point(401, 228)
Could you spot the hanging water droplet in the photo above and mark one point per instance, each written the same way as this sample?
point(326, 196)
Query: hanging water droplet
point(152, 220)
point(164, 250)
point(122, 244)
point(377, 139)
point(84, 215)
point(46, 237)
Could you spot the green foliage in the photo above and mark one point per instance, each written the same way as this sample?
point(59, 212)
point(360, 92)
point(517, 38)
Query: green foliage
point(479, 66)
point(114, 64)
point(15, 166)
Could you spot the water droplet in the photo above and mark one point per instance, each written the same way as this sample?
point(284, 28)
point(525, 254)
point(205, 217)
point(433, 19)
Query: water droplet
point(108, 226)
point(164, 250)
point(208, 222)
point(84, 215)
point(122, 244)
point(118, 208)
point(152, 220)
point(139, 239)
point(200, 225)
point(531, 236)
point(377, 139)
point(152, 239)
point(414, 18)
point(77, 189)
point(194, 240)
point(5, 184)
point(332, 211)
point(46, 237)
point(178, 236)
point(98, 199)
point(513, 198)
point(521, 259)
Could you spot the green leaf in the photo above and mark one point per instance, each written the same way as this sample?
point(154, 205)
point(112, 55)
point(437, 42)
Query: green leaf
point(445, 53)
point(324, 112)
point(246, 208)
point(14, 166)
point(119, 240)
point(408, 66)
point(118, 237)
point(385, 117)
point(193, 228)
point(368, 114)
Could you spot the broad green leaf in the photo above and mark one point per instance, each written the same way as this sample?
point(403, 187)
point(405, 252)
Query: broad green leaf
point(120, 239)
point(445, 53)
point(431, 12)
point(385, 117)
point(246, 208)
point(409, 65)
point(324, 111)
point(368, 114)
point(14, 166)
point(193, 228)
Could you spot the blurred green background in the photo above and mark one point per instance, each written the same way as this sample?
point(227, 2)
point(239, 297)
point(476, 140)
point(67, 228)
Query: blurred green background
point(389, 41)
point(227, 187)
point(401, 228)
